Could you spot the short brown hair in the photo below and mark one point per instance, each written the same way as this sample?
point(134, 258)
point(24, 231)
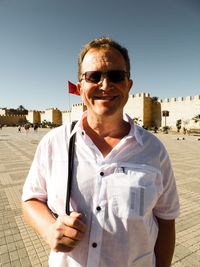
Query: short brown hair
point(103, 42)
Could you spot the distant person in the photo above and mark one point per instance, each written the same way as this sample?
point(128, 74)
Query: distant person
point(19, 129)
point(1, 126)
point(35, 127)
point(124, 199)
point(27, 127)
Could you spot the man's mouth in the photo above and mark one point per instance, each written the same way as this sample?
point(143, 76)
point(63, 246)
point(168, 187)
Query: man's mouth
point(105, 98)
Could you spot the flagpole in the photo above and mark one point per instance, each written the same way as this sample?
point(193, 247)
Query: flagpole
point(69, 108)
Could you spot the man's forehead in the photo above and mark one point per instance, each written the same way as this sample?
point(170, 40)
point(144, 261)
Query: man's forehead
point(103, 56)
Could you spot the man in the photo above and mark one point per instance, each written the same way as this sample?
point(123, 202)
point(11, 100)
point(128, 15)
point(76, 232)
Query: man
point(123, 198)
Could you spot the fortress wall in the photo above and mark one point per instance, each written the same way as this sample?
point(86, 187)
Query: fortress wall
point(52, 115)
point(12, 119)
point(29, 117)
point(182, 108)
point(48, 115)
point(135, 106)
point(142, 106)
point(66, 116)
point(33, 116)
point(156, 114)
point(37, 117)
point(57, 116)
point(2, 111)
point(147, 117)
point(42, 116)
point(77, 110)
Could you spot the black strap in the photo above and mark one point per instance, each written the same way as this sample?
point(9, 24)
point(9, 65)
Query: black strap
point(70, 168)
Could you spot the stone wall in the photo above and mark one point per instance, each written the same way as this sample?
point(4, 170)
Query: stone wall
point(77, 110)
point(34, 116)
point(135, 107)
point(183, 109)
point(73, 114)
point(12, 120)
point(52, 115)
point(66, 116)
point(145, 109)
point(2, 111)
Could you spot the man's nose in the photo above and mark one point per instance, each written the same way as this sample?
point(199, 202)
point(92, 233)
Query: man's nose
point(104, 82)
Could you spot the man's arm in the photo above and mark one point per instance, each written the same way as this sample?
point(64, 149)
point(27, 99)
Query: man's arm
point(62, 234)
point(165, 243)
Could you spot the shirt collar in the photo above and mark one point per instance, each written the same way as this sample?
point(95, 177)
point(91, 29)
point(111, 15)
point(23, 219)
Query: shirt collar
point(135, 130)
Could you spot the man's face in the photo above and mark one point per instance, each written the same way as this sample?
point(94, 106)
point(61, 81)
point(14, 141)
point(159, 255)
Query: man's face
point(105, 98)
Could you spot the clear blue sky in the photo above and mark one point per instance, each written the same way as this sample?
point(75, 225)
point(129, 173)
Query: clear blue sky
point(41, 39)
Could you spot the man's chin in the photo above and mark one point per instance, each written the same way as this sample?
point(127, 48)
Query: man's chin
point(104, 112)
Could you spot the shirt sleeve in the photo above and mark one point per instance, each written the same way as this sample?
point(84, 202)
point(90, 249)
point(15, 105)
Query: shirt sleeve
point(35, 184)
point(167, 206)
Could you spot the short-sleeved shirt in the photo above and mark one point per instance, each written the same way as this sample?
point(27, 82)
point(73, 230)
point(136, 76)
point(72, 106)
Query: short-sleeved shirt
point(119, 195)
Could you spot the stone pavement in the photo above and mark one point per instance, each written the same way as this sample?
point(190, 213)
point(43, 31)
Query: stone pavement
point(20, 246)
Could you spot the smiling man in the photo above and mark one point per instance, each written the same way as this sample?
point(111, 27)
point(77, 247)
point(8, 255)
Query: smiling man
point(123, 199)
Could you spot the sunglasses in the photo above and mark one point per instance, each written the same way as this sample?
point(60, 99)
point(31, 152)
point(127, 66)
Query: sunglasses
point(114, 76)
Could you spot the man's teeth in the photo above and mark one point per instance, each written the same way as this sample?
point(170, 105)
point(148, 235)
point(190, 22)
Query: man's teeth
point(105, 97)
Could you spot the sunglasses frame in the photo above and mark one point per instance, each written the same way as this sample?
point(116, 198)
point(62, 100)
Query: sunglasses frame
point(122, 73)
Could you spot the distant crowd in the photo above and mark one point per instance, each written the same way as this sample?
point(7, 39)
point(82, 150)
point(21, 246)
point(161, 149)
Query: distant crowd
point(26, 127)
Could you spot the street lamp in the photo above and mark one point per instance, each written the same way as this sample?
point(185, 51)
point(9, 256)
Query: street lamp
point(165, 113)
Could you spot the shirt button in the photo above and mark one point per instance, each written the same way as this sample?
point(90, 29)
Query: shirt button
point(94, 245)
point(83, 133)
point(102, 173)
point(98, 208)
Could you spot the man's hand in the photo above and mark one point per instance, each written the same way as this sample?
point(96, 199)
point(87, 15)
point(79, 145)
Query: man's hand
point(66, 232)
point(62, 234)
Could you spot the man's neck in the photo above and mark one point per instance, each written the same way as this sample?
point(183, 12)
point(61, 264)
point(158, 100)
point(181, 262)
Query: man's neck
point(106, 134)
point(107, 126)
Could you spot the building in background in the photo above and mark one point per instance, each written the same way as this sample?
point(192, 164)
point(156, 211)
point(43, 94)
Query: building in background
point(146, 111)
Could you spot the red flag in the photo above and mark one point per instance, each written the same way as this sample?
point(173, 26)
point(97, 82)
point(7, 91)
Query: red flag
point(73, 88)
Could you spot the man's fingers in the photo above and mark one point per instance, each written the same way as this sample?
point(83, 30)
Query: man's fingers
point(65, 244)
point(73, 221)
point(67, 241)
point(68, 231)
point(75, 214)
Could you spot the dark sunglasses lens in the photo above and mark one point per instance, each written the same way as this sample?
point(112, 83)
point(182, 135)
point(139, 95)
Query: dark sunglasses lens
point(116, 76)
point(93, 76)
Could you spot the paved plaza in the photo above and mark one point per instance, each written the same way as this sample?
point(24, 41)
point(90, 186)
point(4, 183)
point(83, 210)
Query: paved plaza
point(20, 246)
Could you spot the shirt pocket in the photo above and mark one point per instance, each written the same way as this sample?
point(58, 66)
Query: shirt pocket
point(135, 192)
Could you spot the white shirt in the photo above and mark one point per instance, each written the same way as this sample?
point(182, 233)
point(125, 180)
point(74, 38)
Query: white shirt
point(119, 195)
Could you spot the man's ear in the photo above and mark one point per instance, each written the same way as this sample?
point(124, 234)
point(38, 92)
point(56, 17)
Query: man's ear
point(78, 85)
point(130, 84)
point(79, 88)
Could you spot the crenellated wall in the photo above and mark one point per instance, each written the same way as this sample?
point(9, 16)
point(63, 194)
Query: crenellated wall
point(2, 111)
point(10, 120)
point(33, 116)
point(52, 115)
point(181, 108)
point(142, 106)
point(66, 116)
point(77, 110)
point(73, 114)
point(145, 109)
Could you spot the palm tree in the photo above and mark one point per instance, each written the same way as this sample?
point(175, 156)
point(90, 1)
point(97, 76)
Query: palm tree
point(154, 99)
point(21, 107)
point(22, 110)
